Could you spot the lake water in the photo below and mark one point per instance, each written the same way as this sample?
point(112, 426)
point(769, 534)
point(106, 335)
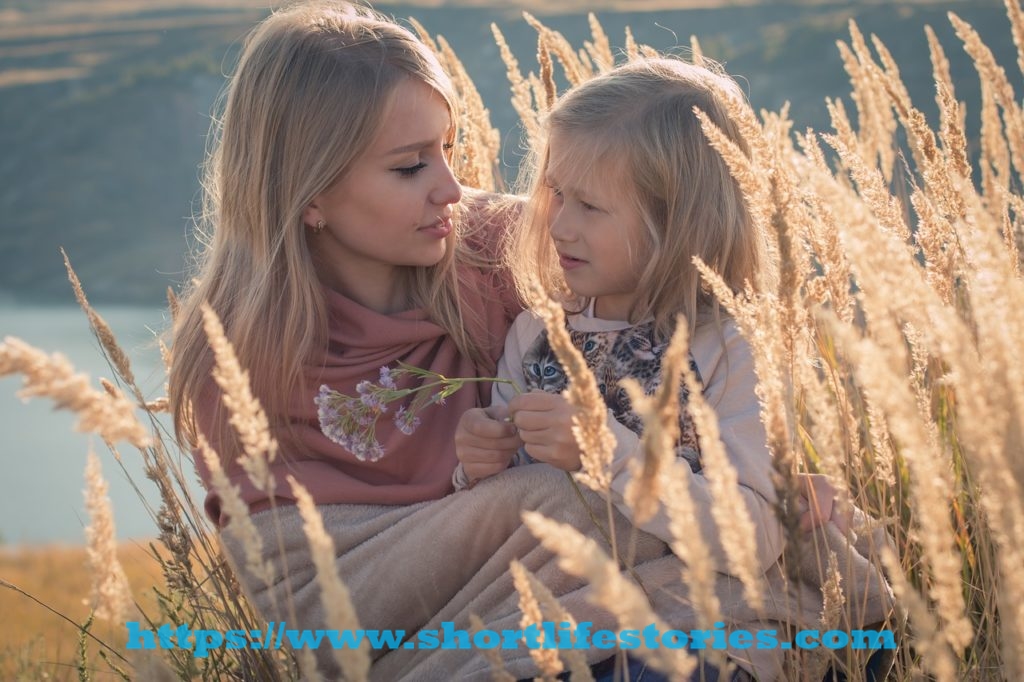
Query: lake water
point(42, 456)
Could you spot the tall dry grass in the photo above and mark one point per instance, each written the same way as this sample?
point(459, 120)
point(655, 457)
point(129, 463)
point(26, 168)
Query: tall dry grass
point(886, 349)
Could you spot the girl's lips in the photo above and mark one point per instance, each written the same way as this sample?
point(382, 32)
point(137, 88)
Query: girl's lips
point(569, 263)
point(439, 229)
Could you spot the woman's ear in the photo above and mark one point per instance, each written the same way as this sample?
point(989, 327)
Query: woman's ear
point(311, 215)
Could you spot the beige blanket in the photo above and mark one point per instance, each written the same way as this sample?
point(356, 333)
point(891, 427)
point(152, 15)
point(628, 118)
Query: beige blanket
point(419, 566)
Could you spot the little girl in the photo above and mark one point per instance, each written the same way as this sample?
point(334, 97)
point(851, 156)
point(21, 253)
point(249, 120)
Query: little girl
point(626, 193)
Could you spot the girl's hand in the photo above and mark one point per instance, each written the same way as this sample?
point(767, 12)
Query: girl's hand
point(819, 504)
point(484, 442)
point(544, 421)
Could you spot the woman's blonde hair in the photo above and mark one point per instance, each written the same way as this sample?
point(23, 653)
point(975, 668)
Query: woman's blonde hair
point(307, 97)
point(633, 129)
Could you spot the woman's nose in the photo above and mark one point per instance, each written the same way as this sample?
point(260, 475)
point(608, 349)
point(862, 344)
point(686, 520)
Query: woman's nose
point(448, 190)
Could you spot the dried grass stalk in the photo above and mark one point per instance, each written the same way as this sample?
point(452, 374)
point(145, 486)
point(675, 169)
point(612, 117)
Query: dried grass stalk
point(498, 671)
point(547, 660)
point(660, 414)
point(732, 517)
point(110, 415)
point(111, 594)
point(581, 556)
point(239, 522)
point(340, 613)
point(522, 97)
point(101, 329)
point(247, 416)
point(590, 424)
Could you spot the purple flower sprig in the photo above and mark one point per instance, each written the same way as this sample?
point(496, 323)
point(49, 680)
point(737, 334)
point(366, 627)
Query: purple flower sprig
point(351, 421)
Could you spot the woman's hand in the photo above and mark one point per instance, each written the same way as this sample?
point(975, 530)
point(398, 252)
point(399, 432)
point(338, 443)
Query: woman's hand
point(544, 421)
point(485, 442)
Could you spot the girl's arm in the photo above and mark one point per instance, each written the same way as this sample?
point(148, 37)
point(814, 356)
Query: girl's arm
point(727, 370)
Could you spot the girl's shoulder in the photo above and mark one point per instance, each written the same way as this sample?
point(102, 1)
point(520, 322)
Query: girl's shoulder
point(723, 355)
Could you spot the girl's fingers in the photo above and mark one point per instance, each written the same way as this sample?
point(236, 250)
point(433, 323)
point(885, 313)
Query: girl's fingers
point(532, 421)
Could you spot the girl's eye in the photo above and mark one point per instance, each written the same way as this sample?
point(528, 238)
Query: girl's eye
point(448, 146)
point(410, 170)
point(589, 207)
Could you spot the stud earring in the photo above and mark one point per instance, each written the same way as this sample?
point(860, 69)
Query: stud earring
point(320, 225)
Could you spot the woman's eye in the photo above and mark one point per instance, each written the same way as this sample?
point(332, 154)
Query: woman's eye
point(411, 170)
point(589, 207)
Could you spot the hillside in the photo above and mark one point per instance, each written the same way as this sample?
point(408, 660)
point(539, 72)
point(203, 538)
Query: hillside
point(104, 106)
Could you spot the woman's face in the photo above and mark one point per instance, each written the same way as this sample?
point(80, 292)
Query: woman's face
point(393, 208)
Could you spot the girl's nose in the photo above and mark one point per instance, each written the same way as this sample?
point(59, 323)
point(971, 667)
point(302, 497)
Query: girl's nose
point(559, 226)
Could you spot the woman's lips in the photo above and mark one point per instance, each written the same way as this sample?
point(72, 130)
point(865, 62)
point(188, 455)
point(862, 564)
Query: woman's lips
point(439, 229)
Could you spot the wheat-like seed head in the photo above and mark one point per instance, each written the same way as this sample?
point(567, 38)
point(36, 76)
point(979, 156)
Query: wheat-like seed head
point(994, 76)
point(247, 416)
point(239, 522)
point(731, 514)
point(498, 671)
point(660, 414)
point(575, 69)
point(339, 611)
point(522, 97)
point(580, 556)
point(936, 655)
point(590, 424)
point(111, 594)
point(882, 373)
point(100, 327)
point(107, 413)
point(600, 50)
point(547, 660)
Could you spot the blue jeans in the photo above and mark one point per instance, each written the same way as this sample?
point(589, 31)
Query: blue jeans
point(610, 670)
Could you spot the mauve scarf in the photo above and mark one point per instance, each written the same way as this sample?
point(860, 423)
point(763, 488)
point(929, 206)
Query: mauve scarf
point(414, 468)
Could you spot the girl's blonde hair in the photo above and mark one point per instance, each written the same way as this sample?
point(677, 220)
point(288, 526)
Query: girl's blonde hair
point(633, 129)
point(308, 95)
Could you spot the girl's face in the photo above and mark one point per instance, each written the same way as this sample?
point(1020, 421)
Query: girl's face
point(598, 235)
point(393, 207)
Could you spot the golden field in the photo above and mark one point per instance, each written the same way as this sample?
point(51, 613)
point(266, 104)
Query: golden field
point(40, 644)
point(887, 352)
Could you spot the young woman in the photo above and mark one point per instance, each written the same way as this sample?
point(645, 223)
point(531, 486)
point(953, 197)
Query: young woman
point(338, 241)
